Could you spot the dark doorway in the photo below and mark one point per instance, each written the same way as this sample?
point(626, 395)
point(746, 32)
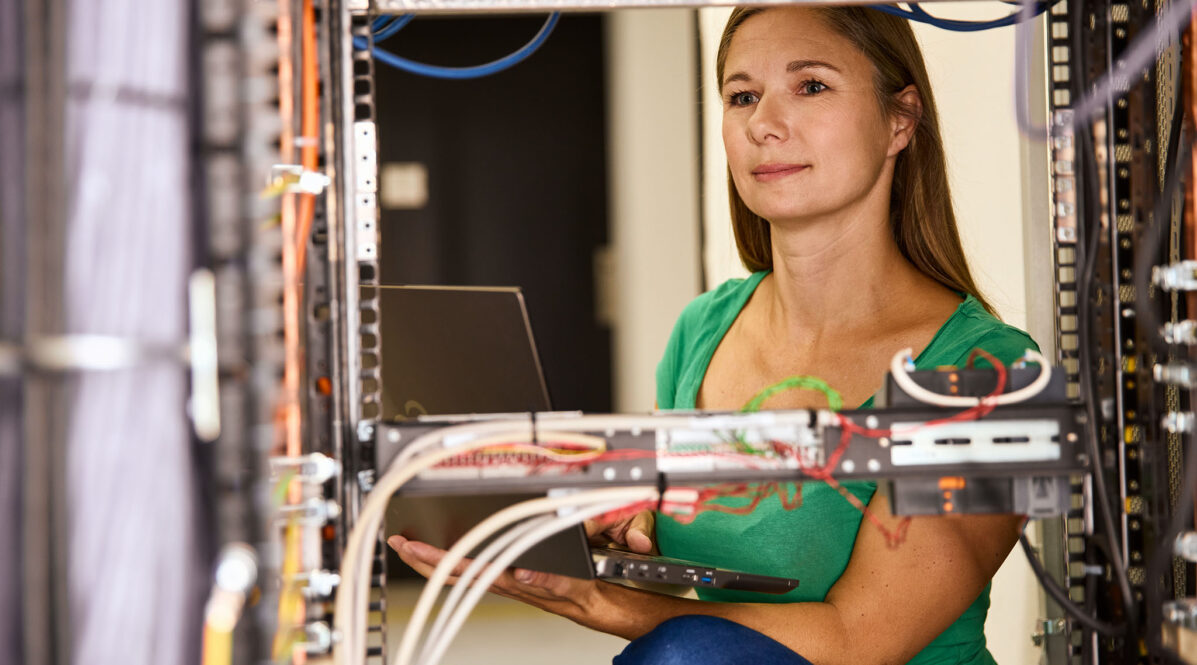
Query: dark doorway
point(516, 180)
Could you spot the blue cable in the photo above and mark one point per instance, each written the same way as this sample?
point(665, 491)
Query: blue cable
point(462, 73)
point(917, 13)
point(393, 27)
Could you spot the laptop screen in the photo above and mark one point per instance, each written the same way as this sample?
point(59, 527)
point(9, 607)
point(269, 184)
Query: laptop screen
point(449, 350)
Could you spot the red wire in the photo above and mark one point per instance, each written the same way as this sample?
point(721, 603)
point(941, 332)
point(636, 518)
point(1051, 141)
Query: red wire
point(759, 491)
point(983, 408)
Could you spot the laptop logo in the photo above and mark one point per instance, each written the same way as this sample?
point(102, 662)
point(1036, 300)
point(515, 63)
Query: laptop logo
point(414, 409)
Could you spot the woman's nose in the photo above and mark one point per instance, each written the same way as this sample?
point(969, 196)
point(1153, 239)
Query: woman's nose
point(767, 122)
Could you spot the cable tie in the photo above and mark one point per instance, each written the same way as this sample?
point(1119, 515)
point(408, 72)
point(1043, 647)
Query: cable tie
point(532, 413)
point(661, 487)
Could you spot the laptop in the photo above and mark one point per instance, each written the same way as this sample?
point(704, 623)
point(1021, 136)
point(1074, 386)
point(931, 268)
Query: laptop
point(448, 351)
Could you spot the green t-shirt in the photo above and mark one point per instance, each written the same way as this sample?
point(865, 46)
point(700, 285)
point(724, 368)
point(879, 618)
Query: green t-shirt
point(813, 542)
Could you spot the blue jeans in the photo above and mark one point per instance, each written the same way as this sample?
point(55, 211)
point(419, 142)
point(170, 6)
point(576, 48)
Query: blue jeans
point(705, 640)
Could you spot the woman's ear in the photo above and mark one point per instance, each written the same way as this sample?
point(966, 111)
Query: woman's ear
point(903, 123)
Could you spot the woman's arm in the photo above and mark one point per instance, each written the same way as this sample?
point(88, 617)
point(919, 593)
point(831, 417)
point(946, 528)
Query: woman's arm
point(887, 606)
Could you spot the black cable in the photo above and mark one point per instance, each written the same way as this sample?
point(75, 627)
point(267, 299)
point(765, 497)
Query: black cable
point(1181, 518)
point(1147, 252)
point(1146, 255)
point(1058, 594)
point(1087, 165)
point(1088, 205)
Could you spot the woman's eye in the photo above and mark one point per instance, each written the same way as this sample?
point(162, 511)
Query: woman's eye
point(742, 98)
point(812, 87)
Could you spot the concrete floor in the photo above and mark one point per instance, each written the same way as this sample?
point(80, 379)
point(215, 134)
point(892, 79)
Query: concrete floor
point(505, 632)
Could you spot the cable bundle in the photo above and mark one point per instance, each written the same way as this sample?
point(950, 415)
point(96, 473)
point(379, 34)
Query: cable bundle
point(134, 573)
point(13, 137)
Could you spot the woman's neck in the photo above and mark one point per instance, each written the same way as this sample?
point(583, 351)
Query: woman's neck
point(841, 273)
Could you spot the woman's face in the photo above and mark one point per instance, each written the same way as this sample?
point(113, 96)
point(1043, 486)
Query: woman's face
point(804, 131)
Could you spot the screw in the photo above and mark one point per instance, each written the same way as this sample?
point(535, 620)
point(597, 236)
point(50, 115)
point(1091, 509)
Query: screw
point(321, 583)
point(365, 480)
point(365, 431)
point(318, 638)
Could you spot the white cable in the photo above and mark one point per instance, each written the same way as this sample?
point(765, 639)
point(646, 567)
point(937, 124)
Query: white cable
point(476, 566)
point(675, 498)
point(482, 531)
point(350, 606)
point(437, 650)
point(350, 615)
point(897, 368)
point(354, 588)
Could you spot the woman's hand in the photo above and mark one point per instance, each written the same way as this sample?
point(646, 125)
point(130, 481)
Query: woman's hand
point(569, 597)
point(635, 532)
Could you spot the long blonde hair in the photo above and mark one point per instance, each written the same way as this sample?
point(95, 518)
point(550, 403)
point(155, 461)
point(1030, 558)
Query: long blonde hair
point(921, 216)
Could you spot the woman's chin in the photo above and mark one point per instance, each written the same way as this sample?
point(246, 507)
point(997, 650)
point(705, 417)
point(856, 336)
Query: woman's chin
point(786, 214)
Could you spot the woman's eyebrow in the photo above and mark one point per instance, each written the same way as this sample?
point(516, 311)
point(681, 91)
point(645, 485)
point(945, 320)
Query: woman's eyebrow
point(794, 66)
point(738, 76)
point(798, 65)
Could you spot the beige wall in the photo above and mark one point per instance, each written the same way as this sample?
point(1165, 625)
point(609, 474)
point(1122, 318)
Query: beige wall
point(653, 267)
point(972, 75)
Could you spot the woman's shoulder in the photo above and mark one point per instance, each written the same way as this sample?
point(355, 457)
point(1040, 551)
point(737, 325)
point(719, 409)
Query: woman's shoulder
point(695, 336)
point(713, 306)
point(971, 327)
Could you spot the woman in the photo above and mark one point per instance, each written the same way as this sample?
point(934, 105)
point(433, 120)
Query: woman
point(841, 208)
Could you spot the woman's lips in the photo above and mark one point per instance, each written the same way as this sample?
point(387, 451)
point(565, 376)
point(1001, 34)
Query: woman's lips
point(770, 172)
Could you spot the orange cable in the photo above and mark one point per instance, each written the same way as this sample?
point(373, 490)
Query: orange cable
point(309, 128)
point(291, 611)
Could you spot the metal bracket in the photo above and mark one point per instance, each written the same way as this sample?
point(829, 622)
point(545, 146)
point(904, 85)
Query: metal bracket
point(205, 363)
point(313, 512)
point(312, 468)
point(1047, 627)
point(293, 178)
point(1178, 422)
point(1180, 276)
point(318, 638)
point(1064, 176)
point(1181, 332)
point(1180, 628)
point(85, 353)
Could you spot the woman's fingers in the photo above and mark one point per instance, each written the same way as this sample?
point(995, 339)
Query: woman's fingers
point(635, 532)
point(545, 585)
point(422, 557)
point(595, 529)
point(639, 536)
point(555, 593)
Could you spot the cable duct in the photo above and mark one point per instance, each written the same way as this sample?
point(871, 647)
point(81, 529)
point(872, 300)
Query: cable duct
point(132, 551)
point(12, 269)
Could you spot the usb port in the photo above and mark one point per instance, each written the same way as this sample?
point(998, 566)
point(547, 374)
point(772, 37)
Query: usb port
point(706, 579)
